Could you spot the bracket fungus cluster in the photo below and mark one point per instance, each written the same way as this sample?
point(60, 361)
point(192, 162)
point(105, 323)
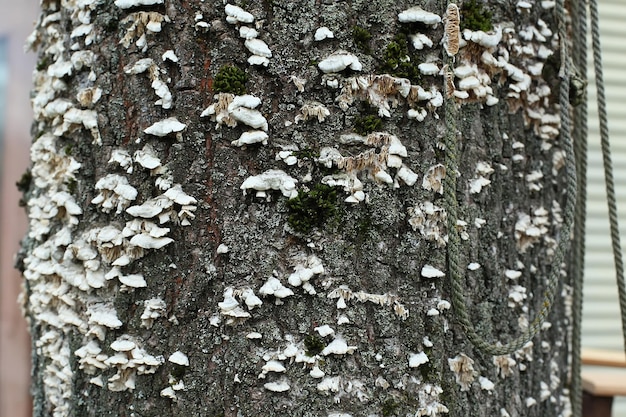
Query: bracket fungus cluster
point(344, 131)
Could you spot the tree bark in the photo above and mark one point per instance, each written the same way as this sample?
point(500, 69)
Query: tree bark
point(231, 216)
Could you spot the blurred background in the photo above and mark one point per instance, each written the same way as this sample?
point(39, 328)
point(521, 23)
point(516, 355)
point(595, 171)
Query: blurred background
point(601, 322)
point(16, 23)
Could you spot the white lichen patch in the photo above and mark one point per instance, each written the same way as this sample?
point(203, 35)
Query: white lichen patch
point(463, 368)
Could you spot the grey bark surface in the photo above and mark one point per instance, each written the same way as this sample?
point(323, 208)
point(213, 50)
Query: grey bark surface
point(369, 247)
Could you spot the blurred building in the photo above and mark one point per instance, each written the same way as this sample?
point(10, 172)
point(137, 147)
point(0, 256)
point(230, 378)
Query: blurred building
point(16, 22)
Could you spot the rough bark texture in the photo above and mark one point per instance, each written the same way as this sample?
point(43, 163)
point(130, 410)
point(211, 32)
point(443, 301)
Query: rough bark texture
point(104, 337)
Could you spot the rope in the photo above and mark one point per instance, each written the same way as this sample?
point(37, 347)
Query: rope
point(579, 41)
point(450, 185)
point(608, 165)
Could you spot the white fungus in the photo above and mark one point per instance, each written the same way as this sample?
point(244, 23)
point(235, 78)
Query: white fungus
point(323, 33)
point(179, 358)
point(417, 14)
point(429, 271)
point(279, 386)
point(338, 347)
point(166, 127)
point(272, 179)
point(339, 61)
point(417, 359)
point(127, 4)
point(236, 14)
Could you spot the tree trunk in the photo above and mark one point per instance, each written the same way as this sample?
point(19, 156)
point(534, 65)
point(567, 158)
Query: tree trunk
point(236, 212)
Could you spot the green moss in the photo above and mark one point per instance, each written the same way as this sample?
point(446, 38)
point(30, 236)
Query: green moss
point(389, 407)
point(398, 62)
point(68, 149)
point(367, 124)
point(43, 63)
point(312, 208)
point(230, 79)
point(361, 37)
point(475, 17)
point(307, 153)
point(72, 185)
point(23, 184)
point(313, 345)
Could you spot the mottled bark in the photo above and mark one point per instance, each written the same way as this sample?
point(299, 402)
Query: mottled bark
point(345, 235)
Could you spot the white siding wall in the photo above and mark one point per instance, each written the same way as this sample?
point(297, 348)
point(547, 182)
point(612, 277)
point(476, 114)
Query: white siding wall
point(601, 313)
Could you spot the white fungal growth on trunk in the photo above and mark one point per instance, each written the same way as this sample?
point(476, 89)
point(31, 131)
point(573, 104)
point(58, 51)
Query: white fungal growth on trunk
point(278, 386)
point(323, 33)
point(429, 271)
point(274, 179)
point(517, 295)
point(312, 109)
point(343, 293)
point(274, 287)
point(230, 109)
point(417, 359)
point(127, 4)
point(429, 405)
point(529, 230)
point(166, 127)
point(115, 193)
point(236, 15)
point(433, 179)
point(463, 368)
point(160, 88)
point(179, 358)
point(339, 61)
point(153, 309)
point(430, 220)
point(141, 25)
point(417, 14)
